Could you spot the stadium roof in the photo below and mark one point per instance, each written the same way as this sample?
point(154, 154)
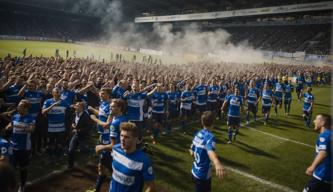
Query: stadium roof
point(157, 7)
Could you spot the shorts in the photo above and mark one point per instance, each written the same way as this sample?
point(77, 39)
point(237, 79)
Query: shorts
point(212, 106)
point(202, 185)
point(307, 113)
point(278, 100)
point(173, 114)
point(252, 107)
point(201, 108)
point(233, 121)
point(287, 101)
point(105, 159)
point(21, 158)
point(158, 117)
point(266, 109)
point(185, 112)
point(315, 185)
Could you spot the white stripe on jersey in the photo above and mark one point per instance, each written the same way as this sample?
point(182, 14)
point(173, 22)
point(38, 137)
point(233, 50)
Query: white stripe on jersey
point(57, 110)
point(130, 164)
point(122, 178)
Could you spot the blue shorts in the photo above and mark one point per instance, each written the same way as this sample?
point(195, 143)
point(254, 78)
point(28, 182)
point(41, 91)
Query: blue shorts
point(202, 185)
point(212, 106)
point(233, 121)
point(278, 100)
point(173, 113)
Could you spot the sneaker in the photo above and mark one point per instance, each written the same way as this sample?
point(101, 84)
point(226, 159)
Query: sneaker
point(229, 142)
point(21, 188)
point(164, 133)
point(247, 122)
point(265, 123)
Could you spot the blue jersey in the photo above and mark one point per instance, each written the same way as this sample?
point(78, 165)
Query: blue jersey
point(267, 98)
point(117, 91)
point(115, 127)
point(130, 170)
point(253, 95)
point(308, 99)
point(35, 99)
point(56, 116)
point(21, 138)
point(158, 101)
point(324, 170)
point(214, 93)
point(222, 92)
point(203, 142)
point(4, 148)
point(186, 98)
point(200, 94)
point(287, 94)
point(103, 114)
point(11, 95)
point(135, 102)
point(173, 98)
point(68, 96)
point(235, 103)
point(278, 90)
point(300, 82)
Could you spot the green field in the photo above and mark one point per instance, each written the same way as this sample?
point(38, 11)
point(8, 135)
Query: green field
point(272, 157)
point(47, 49)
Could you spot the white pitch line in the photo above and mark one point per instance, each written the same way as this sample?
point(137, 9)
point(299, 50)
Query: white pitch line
point(278, 137)
point(260, 180)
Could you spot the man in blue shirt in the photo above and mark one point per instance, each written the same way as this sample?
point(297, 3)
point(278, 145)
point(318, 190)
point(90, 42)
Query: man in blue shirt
point(213, 92)
point(288, 96)
point(253, 97)
point(172, 106)
point(185, 105)
point(132, 168)
point(278, 94)
point(200, 93)
point(308, 106)
point(158, 103)
point(22, 125)
point(203, 150)
point(267, 100)
point(56, 111)
point(235, 103)
point(117, 109)
point(321, 167)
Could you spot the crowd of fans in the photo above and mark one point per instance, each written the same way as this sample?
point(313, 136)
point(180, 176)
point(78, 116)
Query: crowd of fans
point(55, 91)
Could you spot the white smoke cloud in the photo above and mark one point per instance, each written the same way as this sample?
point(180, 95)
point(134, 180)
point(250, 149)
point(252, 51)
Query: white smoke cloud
point(211, 45)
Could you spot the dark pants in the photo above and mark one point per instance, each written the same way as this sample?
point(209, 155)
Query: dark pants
point(315, 185)
point(76, 142)
point(202, 185)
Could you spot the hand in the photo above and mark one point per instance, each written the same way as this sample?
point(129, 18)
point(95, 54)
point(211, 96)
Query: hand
point(99, 148)
point(309, 171)
point(90, 108)
point(219, 171)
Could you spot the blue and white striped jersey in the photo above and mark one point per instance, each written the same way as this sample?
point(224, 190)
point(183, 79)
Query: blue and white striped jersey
point(21, 138)
point(203, 142)
point(56, 116)
point(158, 102)
point(200, 93)
point(235, 103)
point(214, 93)
point(35, 98)
point(308, 98)
point(135, 102)
point(130, 171)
